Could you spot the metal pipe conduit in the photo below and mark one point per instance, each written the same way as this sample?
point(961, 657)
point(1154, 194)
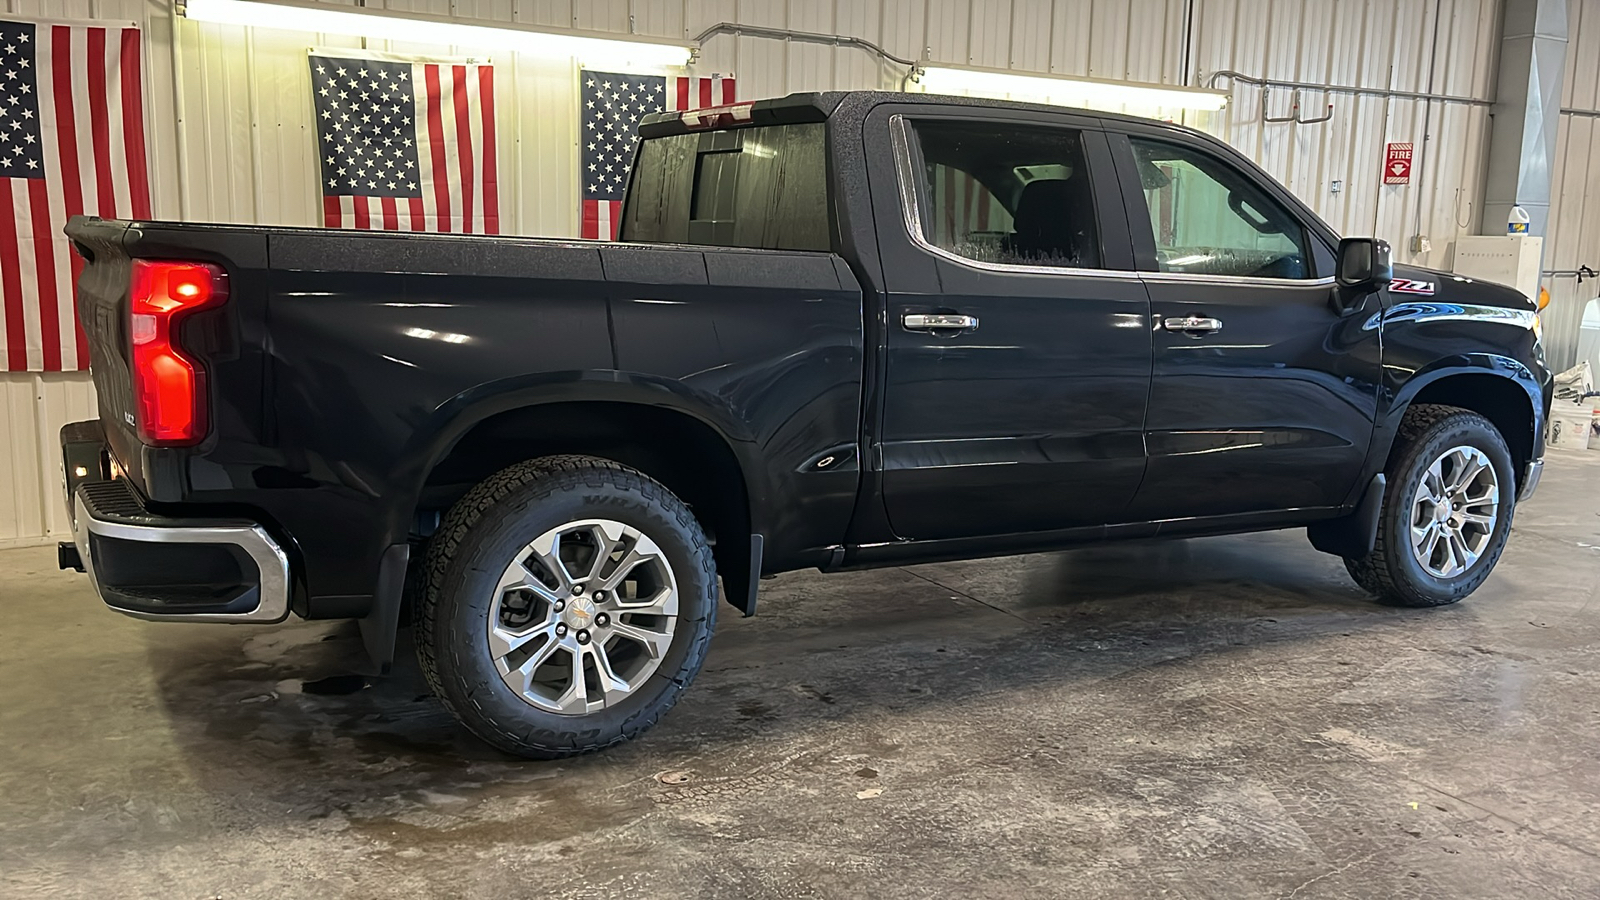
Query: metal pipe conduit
point(839, 40)
point(813, 37)
point(1211, 82)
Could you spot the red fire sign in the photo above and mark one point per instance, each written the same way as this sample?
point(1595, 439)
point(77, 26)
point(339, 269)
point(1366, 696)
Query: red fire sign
point(1397, 164)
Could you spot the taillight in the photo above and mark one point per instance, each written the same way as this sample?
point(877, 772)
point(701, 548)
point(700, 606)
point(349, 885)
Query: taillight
point(169, 387)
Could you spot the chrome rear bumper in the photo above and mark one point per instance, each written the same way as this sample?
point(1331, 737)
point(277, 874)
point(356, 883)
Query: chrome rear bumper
point(156, 567)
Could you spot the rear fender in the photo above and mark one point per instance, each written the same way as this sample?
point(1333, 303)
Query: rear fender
point(453, 419)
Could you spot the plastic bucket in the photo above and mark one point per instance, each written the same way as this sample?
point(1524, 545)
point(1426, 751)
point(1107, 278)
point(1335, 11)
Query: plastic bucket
point(1569, 426)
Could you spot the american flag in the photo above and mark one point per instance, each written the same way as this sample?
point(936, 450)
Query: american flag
point(965, 207)
point(71, 141)
point(613, 104)
point(406, 144)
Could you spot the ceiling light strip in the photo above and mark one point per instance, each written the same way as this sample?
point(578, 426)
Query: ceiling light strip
point(594, 47)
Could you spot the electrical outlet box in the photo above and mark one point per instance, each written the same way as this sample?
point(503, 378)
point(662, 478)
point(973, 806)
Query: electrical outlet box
point(1421, 244)
point(1335, 186)
point(1508, 259)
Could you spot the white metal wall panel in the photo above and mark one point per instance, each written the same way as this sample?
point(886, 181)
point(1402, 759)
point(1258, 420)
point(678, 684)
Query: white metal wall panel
point(230, 134)
point(1029, 41)
point(1574, 238)
point(1383, 44)
point(33, 407)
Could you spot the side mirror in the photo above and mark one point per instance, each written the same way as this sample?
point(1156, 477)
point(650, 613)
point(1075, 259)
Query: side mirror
point(1364, 264)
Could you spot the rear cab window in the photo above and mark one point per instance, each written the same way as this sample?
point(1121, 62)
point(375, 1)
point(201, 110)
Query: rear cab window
point(764, 187)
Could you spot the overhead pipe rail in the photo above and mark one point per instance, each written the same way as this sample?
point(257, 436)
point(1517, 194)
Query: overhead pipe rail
point(839, 40)
point(811, 37)
point(1581, 273)
point(1340, 89)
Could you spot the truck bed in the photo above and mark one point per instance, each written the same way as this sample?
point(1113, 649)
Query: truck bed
point(345, 366)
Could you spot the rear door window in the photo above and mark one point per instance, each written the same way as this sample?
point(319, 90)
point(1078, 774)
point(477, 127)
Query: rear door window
point(751, 187)
point(1013, 196)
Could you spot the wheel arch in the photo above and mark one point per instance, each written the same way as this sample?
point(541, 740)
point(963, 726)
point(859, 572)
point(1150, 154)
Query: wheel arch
point(691, 443)
point(1500, 389)
point(687, 455)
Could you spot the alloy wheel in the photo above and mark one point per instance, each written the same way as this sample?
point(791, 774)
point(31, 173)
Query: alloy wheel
point(1454, 512)
point(582, 616)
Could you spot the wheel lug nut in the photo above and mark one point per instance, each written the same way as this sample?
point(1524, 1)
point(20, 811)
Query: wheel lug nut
point(561, 630)
point(599, 596)
point(583, 637)
point(602, 620)
point(577, 590)
point(561, 605)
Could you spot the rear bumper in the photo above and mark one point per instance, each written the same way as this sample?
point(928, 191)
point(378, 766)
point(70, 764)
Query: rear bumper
point(159, 567)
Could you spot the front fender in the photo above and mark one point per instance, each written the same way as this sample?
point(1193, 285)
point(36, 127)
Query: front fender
point(1403, 386)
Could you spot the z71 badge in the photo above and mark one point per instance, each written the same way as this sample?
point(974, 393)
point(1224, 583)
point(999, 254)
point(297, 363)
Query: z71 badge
point(1406, 286)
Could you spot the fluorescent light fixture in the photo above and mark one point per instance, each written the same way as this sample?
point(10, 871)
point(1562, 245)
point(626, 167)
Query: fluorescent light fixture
point(594, 46)
point(1093, 93)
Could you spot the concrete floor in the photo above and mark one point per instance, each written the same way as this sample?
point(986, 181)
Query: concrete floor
point(1212, 718)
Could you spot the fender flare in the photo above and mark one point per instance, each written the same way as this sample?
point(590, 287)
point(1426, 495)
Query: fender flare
point(1476, 364)
point(452, 420)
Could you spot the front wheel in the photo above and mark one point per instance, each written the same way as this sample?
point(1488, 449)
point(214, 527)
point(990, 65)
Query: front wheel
point(568, 602)
point(1446, 510)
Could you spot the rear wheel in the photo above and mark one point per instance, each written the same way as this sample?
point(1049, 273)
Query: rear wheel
point(568, 602)
point(1446, 510)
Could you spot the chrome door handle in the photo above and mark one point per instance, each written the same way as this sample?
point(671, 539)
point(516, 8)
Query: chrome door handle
point(938, 322)
point(1195, 325)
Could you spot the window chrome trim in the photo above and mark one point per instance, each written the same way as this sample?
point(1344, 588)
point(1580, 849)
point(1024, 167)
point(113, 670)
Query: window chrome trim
point(1192, 277)
point(900, 135)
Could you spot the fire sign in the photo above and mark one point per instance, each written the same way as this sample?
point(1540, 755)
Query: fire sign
point(1397, 164)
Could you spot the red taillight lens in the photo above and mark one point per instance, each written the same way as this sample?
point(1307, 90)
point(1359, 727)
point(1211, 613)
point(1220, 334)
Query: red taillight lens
point(169, 387)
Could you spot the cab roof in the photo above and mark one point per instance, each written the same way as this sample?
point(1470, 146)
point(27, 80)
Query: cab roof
point(817, 106)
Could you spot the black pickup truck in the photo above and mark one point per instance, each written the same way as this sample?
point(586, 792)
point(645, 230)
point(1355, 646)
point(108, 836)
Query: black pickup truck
point(840, 330)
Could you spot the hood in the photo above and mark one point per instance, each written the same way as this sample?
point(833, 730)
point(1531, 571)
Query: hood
point(1417, 283)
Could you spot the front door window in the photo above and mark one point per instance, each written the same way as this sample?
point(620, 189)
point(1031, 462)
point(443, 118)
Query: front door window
point(1209, 220)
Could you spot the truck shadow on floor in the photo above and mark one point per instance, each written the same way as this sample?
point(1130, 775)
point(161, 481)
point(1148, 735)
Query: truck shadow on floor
point(826, 653)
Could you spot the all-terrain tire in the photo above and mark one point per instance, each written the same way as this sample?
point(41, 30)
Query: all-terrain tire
point(1392, 570)
point(483, 533)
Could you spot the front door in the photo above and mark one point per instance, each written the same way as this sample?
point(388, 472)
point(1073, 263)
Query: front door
point(1263, 393)
point(1016, 335)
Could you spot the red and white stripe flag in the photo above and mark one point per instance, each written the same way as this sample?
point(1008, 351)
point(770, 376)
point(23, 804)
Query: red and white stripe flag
point(72, 141)
point(406, 144)
point(612, 105)
point(965, 207)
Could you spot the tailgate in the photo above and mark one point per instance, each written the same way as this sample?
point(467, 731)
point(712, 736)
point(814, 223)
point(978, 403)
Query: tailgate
point(103, 315)
point(226, 342)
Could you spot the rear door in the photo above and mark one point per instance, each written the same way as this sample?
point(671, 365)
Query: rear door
point(1263, 393)
point(1017, 340)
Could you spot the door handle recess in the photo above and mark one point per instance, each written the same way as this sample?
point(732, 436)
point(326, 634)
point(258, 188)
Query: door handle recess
point(1195, 325)
point(938, 322)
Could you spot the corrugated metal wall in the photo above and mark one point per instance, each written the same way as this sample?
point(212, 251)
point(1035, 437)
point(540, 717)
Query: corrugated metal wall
point(1575, 189)
point(231, 140)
